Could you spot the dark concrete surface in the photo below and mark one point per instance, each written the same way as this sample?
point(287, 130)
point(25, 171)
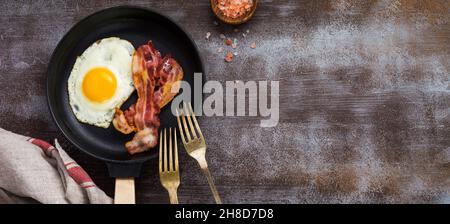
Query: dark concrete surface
point(364, 98)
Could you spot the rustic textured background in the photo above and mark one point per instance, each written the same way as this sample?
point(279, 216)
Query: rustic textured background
point(364, 98)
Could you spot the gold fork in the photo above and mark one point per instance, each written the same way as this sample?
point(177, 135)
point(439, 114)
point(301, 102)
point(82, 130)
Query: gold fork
point(169, 173)
point(196, 146)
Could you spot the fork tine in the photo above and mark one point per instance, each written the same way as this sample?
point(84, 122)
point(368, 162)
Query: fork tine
point(188, 118)
point(195, 120)
point(176, 150)
point(160, 151)
point(180, 129)
point(170, 150)
point(165, 151)
point(185, 126)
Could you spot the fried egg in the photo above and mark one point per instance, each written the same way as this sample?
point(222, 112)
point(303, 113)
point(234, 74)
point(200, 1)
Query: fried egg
point(101, 80)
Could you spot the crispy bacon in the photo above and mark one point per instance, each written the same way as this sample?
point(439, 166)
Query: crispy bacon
point(123, 123)
point(169, 74)
point(153, 78)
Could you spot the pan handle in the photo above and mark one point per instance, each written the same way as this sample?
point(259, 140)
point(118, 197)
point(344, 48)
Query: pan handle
point(124, 193)
point(124, 169)
point(124, 174)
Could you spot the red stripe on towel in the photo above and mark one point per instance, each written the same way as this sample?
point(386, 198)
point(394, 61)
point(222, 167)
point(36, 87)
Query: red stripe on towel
point(75, 171)
point(79, 175)
point(42, 144)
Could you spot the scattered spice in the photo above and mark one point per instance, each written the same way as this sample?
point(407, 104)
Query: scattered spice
point(234, 44)
point(229, 57)
point(228, 42)
point(232, 52)
point(234, 8)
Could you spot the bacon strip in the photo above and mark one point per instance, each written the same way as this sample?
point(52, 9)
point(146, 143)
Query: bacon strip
point(170, 73)
point(122, 122)
point(153, 79)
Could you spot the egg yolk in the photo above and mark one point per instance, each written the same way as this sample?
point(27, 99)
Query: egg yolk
point(99, 85)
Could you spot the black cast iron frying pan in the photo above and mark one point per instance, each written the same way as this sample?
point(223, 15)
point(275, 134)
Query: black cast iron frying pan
point(137, 25)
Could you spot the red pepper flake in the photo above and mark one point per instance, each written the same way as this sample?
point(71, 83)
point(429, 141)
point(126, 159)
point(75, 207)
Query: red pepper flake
point(253, 46)
point(228, 42)
point(229, 57)
point(234, 8)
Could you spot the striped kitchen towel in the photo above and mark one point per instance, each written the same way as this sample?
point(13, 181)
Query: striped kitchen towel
point(34, 171)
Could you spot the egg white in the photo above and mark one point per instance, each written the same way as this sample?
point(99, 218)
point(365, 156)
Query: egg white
point(114, 54)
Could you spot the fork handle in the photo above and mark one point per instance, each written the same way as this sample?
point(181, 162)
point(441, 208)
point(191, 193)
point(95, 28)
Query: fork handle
point(173, 196)
point(211, 185)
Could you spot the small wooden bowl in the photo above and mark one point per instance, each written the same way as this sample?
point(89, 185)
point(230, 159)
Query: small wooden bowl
point(244, 18)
